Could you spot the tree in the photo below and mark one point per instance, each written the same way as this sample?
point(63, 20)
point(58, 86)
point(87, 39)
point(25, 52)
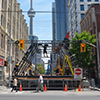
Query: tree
point(40, 68)
point(83, 59)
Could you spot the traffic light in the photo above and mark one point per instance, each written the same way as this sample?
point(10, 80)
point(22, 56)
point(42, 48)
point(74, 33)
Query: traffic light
point(6, 63)
point(83, 47)
point(21, 44)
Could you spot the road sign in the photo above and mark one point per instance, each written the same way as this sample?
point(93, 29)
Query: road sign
point(1, 61)
point(78, 73)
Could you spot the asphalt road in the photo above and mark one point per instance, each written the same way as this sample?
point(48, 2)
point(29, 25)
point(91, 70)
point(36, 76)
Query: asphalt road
point(50, 96)
point(25, 97)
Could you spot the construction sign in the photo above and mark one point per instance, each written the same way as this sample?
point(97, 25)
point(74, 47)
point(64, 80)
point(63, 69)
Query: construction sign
point(78, 73)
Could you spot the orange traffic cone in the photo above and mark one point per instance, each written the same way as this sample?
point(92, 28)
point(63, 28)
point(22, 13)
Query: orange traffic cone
point(65, 87)
point(20, 87)
point(79, 89)
point(45, 88)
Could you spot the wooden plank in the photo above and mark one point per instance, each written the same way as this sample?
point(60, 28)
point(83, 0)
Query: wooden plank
point(23, 78)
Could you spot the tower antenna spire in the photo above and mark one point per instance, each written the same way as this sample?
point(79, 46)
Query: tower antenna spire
point(31, 3)
point(31, 14)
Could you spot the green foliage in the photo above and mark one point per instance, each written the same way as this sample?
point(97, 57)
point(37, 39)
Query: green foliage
point(84, 59)
point(38, 67)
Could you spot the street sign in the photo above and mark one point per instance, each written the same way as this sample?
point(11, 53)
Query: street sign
point(78, 73)
point(1, 61)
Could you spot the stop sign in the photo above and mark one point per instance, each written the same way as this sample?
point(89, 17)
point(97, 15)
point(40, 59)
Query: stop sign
point(78, 71)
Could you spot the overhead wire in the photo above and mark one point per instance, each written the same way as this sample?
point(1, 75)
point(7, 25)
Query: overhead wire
point(97, 11)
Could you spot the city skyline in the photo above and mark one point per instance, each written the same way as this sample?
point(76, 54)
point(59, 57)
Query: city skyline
point(42, 22)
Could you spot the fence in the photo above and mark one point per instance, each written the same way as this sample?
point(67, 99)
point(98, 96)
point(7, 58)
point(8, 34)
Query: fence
point(50, 84)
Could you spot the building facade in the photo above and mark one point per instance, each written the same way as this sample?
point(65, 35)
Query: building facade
point(53, 22)
point(91, 23)
point(60, 19)
point(76, 11)
point(60, 25)
point(11, 18)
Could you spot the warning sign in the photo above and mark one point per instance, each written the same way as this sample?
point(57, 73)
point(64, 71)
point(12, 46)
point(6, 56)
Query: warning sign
point(78, 73)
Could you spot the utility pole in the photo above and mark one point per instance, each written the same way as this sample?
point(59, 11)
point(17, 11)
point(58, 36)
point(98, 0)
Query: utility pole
point(9, 56)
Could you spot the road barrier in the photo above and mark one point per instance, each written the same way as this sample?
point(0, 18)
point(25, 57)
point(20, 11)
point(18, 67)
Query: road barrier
point(50, 84)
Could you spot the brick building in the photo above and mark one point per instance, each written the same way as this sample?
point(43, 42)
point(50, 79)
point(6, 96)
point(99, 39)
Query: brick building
point(91, 23)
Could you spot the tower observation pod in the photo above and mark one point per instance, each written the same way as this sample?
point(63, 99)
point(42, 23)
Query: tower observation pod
point(31, 12)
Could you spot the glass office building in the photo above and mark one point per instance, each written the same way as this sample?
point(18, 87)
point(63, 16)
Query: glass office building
point(61, 19)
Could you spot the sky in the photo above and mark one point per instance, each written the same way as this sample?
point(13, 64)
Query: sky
point(42, 22)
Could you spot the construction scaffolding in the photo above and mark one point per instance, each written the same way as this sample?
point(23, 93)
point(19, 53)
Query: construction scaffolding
point(53, 47)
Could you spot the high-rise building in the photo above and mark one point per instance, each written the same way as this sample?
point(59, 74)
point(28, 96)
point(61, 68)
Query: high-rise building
point(53, 21)
point(11, 18)
point(76, 10)
point(60, 19)
point(60, 25)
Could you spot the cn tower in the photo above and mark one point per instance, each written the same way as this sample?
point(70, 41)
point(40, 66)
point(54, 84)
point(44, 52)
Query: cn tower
point(31, 14)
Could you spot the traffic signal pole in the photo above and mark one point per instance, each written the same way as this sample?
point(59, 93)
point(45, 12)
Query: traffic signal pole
point(9, 57)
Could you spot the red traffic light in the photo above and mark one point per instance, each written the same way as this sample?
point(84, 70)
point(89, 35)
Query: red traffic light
point(82, 45)
point(6, 63)
point(21, 41)
point(21, 44)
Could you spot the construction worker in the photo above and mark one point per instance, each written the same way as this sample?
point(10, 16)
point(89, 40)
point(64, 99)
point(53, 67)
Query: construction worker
point(30, 71)
point(57, 71)
point(45, 49)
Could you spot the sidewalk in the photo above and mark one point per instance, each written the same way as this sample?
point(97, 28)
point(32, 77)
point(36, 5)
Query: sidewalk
point(4, 89)
point(94, 88)
point(85, 91)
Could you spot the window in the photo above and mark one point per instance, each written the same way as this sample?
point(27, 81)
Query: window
point(13, 49)
point(96, 0)
point(88, 6)
point(8, 45)
point(2, 41)
point(90, 19)
point(81, 7)
point(81, 0)
point(1, 20)
point(89, 0)
point(82, 15)
point(2, 3)
point(88, 22)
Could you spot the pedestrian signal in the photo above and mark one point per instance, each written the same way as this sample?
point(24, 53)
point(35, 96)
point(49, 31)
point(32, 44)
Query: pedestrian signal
point(21, 44)
point(6, 63)
point(83, 47)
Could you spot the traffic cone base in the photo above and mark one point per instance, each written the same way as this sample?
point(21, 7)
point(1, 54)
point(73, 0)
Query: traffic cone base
point(79, 89)
point(45, 88)
point(65, 87)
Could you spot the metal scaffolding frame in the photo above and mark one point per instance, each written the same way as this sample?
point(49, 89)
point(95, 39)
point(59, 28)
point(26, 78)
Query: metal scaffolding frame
point(36, 47)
